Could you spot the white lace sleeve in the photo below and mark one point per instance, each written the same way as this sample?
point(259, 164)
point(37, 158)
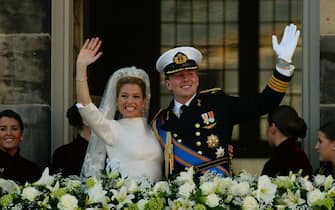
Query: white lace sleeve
point(104, 128)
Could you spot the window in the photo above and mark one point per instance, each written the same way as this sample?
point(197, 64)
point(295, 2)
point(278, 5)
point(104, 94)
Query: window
point(215, 27)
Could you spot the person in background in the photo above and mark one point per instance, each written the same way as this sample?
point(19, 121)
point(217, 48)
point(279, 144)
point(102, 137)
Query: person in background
point(196, 128)
point(120, 125)
point(12, 165)
point(284, 129)
point(325, 146)
point(68, 159)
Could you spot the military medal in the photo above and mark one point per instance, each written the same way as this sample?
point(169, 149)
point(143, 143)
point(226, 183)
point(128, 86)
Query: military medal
point(208, 117)
point(212, 141)
point(219, 152)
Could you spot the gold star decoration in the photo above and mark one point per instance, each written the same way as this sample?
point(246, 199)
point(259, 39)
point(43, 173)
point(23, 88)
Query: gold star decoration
point(212, 141)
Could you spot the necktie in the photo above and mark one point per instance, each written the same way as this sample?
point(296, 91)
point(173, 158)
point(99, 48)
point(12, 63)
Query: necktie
point(182, 109)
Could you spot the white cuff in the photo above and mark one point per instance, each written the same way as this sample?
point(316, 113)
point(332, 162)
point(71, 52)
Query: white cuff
point(286, 72)
point(80, 106)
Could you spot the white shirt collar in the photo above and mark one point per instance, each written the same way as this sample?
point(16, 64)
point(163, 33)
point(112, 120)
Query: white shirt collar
point(177, 105)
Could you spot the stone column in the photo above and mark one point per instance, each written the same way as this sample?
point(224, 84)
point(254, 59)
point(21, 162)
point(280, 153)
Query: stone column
point(25, 71)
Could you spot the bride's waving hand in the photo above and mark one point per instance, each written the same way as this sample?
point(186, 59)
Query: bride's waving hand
point(88, 54)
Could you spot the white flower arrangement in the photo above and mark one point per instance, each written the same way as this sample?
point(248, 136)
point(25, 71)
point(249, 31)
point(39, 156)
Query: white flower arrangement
point(186, 191)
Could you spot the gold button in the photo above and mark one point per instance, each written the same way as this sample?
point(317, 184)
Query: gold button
point(198, 143)
point(197, 125)
point(197, 133)
point(179, 141)
point(175, 135)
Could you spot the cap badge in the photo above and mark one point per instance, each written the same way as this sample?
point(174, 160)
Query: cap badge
point(180, 58)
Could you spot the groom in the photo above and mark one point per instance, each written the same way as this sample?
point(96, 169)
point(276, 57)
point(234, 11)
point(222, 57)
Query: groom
point(196, 128)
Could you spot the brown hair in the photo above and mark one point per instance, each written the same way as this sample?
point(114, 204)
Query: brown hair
point(288, 122)
point(130, 80)
point(74, 117)
point(329, 130)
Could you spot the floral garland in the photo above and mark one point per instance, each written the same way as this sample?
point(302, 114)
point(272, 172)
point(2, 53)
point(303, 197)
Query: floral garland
point(186, 191)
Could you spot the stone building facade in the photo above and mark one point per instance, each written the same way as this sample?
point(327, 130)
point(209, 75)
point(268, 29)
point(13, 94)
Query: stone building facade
point(25, 47)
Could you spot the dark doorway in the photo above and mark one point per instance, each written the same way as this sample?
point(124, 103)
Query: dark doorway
point(130, 31)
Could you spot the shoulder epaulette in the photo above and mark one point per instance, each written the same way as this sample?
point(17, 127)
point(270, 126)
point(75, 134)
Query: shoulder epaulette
point(213, 90)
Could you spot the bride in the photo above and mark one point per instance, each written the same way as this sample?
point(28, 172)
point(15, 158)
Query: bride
point(120, 127)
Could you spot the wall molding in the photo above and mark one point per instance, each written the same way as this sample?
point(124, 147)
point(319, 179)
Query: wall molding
point(61, 70)
point(311, 76)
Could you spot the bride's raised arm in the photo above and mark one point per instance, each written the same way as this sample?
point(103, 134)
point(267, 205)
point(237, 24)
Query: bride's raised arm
point(88, 54)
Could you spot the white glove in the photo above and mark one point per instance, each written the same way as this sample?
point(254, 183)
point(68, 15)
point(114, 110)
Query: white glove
point(286, 47)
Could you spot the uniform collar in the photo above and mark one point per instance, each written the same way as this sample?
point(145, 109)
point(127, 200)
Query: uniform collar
point(178, 105)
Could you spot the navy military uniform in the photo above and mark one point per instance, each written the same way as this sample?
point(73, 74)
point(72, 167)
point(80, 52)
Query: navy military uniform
point(200, 136)
point(207, 124)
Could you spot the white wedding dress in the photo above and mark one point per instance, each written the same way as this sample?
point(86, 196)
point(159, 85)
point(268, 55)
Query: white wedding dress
point(128, 141)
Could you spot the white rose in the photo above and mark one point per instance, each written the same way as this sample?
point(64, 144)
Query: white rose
point(319, 180)
point(207, 188)
point(186, 176)
point(314, 196)
point(240, 188)
point(72, 183)
point(250, 203)
point(246, 177)
point(162, 186)
point(30, 193)
point(132, 186)
point(212, 200)
point(186, 189)
point(68, 202)
point(225, 183)
point(222, 184)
